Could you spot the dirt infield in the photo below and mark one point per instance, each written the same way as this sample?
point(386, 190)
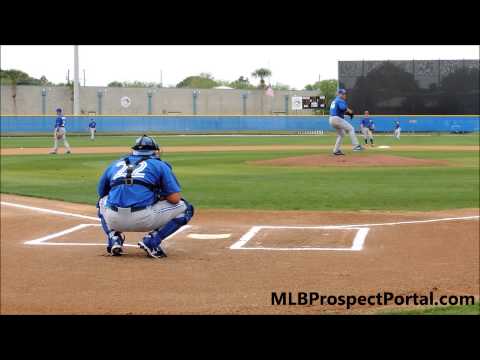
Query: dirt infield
point(176, 149)
point(236, 272)
point(362, 161)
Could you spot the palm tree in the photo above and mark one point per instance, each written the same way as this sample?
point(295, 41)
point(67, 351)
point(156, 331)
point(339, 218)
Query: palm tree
point(262, 73)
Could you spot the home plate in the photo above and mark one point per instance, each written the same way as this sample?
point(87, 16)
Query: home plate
point(383, 147)
point(208, 236)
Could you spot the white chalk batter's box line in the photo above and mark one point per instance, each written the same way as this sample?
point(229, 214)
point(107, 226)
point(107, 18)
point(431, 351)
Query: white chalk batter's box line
point(357, 244)
point(44, 240)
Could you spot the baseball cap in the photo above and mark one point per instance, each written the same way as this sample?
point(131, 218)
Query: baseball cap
point(341, 91)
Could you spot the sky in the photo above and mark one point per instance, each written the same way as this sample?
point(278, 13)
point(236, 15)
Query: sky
point(294, 65)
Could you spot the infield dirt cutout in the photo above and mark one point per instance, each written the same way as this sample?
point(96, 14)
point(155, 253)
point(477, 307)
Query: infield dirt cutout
point(331, 160)
point(401, 254)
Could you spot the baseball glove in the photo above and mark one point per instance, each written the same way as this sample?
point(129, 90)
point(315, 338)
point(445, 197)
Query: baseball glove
point(58, 136)
point(351, 115)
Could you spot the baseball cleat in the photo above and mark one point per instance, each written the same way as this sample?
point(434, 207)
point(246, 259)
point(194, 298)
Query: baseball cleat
point(338, 152)
point(358, 148)
point(53, 152)
point(116, 247)
point(156, 253)
point(116, 250)
point(68, 152)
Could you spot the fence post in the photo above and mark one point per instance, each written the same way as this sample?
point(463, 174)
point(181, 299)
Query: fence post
point(149, 94)
point(244, 103)
point(99, 101)
point(194, 96)
point(286, 104)
point(44, 101)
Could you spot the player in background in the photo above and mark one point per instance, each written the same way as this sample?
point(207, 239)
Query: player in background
point(367, 126)
point(60, 133)
point(93, 128)
point(338, 109)
point(397, 130)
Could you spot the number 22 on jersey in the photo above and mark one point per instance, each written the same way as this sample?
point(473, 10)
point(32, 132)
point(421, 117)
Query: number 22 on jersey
point(137, 173)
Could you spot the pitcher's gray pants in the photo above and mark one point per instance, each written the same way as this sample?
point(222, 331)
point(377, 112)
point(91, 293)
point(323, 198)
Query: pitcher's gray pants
point(342, 126)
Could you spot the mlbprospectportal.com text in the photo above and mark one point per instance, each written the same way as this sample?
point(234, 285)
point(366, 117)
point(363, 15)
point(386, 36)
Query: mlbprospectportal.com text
point(379, 299)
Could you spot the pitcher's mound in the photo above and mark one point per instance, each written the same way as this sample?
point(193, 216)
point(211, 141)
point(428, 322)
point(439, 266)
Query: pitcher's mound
point(349, 160)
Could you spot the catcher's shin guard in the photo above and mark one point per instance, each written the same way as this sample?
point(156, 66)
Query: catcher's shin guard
point(170, 227)
point(111, 235)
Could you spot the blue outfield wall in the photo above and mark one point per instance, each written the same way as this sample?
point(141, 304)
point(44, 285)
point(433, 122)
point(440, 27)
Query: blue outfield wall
point(199, 123)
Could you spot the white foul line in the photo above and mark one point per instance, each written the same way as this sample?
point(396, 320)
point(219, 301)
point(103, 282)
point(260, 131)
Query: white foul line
point(56, 212)
point(370, 225)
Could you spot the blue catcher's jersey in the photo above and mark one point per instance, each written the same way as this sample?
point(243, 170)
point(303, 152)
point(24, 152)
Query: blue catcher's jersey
point(60, 121)
point(338, 107)
point(152, 171)
point(92, 124)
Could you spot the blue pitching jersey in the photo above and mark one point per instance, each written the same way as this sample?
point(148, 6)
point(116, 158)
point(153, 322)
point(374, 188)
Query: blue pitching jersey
point(92, 124)
point(60, 121)
point(338, 107)
point(365, 122)
point(152, 171)
point(397, 124)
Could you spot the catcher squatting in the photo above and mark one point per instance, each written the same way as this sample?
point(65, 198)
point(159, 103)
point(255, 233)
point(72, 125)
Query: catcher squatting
point(140, 193)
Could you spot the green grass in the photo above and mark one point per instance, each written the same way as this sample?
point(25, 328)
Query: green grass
point(172, 140)
point(438, 310)
point(224, 180)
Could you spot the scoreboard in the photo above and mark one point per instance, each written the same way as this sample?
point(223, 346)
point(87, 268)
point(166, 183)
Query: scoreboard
point(308, 102)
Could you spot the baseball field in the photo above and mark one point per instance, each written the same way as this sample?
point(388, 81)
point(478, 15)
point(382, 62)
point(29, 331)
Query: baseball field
point(273, 214)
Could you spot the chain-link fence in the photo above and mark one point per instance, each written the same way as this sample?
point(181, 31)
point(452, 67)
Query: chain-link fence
point(434, 87)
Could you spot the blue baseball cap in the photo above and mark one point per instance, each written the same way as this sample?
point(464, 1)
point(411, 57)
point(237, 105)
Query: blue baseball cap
point(59, 109)
point(341, 91)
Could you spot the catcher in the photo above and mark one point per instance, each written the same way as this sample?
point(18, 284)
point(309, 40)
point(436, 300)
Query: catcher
point(60, 133)
point(367, 127)
point(140, 193)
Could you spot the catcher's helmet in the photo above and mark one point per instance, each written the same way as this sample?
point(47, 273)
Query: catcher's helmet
point(145, 143)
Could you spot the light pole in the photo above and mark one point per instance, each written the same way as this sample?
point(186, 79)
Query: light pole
point(76, 84)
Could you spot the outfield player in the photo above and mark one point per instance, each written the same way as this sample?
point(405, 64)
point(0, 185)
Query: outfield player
point(397, 130)
point(367, 127)
point(140, 193)
point(338, 109)
point(93, 128)
point(60, 133)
